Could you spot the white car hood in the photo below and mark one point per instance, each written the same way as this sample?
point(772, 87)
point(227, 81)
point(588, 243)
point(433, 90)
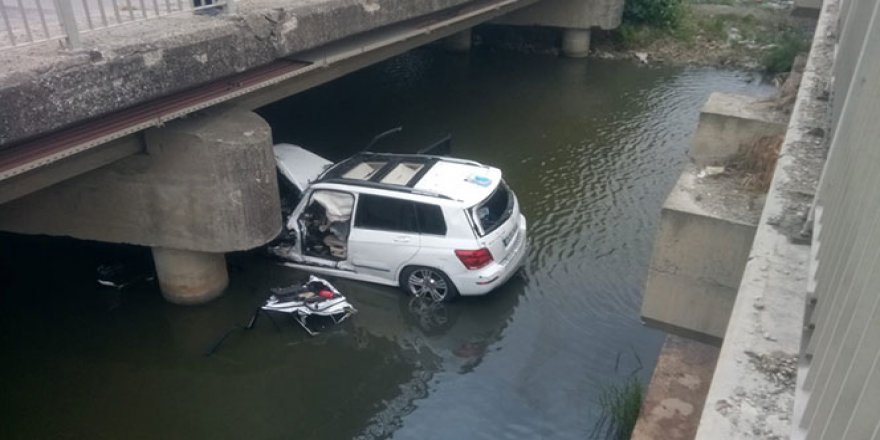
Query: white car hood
point(299, 165)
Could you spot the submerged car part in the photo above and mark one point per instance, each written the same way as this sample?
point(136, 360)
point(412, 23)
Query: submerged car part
point(316, 297)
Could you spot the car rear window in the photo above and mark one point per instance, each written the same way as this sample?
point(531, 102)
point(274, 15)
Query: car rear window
point(495, 210)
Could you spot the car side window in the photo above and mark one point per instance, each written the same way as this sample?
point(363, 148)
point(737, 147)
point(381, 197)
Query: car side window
point(384, 213)
point(430, 219)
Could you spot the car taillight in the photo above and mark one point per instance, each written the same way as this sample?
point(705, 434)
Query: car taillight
point(474, 259)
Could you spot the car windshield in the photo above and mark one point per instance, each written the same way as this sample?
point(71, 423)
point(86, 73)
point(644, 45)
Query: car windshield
point(495, 210)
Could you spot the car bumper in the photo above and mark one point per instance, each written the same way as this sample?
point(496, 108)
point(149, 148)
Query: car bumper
point(483, 281)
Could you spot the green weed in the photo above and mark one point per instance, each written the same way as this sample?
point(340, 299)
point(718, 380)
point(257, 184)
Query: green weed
point(663, 14)
point(780, 56)
point(620, 410)
point(620, 405)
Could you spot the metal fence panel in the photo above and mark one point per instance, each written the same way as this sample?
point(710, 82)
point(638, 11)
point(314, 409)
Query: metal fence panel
point(24, 22)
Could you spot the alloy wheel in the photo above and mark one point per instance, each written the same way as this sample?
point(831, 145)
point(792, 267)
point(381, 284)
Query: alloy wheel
point(426, 282)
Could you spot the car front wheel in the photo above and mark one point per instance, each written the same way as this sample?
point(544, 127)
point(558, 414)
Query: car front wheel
point(428, 282)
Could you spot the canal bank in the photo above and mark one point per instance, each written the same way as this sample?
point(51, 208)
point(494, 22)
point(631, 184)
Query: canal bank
point(591, 147)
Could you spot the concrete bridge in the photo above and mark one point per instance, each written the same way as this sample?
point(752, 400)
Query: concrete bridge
point(145, 134)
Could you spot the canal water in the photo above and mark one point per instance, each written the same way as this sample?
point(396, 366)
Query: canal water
point(591, 147)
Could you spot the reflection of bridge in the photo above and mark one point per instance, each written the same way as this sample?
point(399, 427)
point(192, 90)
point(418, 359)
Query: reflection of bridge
point(91, 145)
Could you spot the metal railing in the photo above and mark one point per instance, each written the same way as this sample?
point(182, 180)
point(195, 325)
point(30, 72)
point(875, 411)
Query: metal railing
point(24, 22)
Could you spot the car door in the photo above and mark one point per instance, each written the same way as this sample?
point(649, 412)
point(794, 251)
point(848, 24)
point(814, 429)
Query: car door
point(384, 235)
point(321, 223)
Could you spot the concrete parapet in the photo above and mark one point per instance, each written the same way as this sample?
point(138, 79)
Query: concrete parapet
point(190, 278)
point(753, 394)
point(700, 250)
point(206, 183)
point(568, 14)
point(44, 88)
point(728, 122)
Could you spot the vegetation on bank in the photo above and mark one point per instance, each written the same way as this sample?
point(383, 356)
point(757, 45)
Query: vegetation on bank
point(620, 410)
point(620, 405)
point(724, 32)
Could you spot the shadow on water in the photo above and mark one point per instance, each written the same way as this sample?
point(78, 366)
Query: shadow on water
point(89, 361)
point(591, 148)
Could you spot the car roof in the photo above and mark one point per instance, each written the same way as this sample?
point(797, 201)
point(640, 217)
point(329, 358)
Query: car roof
point(463, 181)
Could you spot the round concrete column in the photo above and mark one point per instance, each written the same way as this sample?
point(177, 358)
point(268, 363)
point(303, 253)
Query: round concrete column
point(575, 42)
point(460, 42)
point(189, 277)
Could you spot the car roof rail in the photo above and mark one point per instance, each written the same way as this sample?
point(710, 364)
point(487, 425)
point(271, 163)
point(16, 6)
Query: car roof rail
point(385, 186)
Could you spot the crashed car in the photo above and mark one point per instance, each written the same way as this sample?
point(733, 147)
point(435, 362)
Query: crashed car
point(435, 226)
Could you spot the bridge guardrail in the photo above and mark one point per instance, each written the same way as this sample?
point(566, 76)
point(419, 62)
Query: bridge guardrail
point(24, 22)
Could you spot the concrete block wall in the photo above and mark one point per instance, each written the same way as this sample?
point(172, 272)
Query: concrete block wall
point(800, 355)
point(728, 122)
point(696, 265)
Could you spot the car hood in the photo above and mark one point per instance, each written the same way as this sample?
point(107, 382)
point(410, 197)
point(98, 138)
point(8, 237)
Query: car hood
point(298, 165)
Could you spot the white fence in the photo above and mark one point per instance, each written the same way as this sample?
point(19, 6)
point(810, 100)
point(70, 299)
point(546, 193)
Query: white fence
point(842, 385)
point(24, 22)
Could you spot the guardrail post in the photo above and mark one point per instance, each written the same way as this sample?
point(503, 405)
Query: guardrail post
point(68, 22)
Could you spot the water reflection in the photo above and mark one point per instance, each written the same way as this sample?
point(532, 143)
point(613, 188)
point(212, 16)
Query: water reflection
point(435, 338)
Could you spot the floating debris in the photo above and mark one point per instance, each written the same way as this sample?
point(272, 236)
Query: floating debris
point(316, 297)
point(120, 276)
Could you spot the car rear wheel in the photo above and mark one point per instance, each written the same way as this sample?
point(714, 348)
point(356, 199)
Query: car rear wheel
point(428, 282)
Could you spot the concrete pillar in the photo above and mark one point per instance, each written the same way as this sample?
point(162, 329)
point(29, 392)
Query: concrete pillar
point(460, 42)
point(190, 277)
point(205, 185)
point(575, 42)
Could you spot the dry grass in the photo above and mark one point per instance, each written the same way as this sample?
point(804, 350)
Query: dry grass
point(757, 162)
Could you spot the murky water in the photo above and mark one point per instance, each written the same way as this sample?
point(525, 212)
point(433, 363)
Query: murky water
point(590, 147)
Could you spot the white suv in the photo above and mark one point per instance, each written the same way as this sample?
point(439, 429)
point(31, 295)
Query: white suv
point(432, 225)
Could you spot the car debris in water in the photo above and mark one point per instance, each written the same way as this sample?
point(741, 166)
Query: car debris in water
point(119, 275)
point(316, 297)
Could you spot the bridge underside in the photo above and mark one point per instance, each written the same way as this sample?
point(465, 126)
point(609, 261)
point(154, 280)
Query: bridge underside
point(81, 146)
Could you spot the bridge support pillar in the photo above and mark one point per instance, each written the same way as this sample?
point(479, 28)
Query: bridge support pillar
point(460, 42)
point(205, 185)
point(575, 42)
point(188, 277)
point(574, 17)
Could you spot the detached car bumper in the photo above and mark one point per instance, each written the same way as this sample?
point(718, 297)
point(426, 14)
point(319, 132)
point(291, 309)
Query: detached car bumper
point(483, 281)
